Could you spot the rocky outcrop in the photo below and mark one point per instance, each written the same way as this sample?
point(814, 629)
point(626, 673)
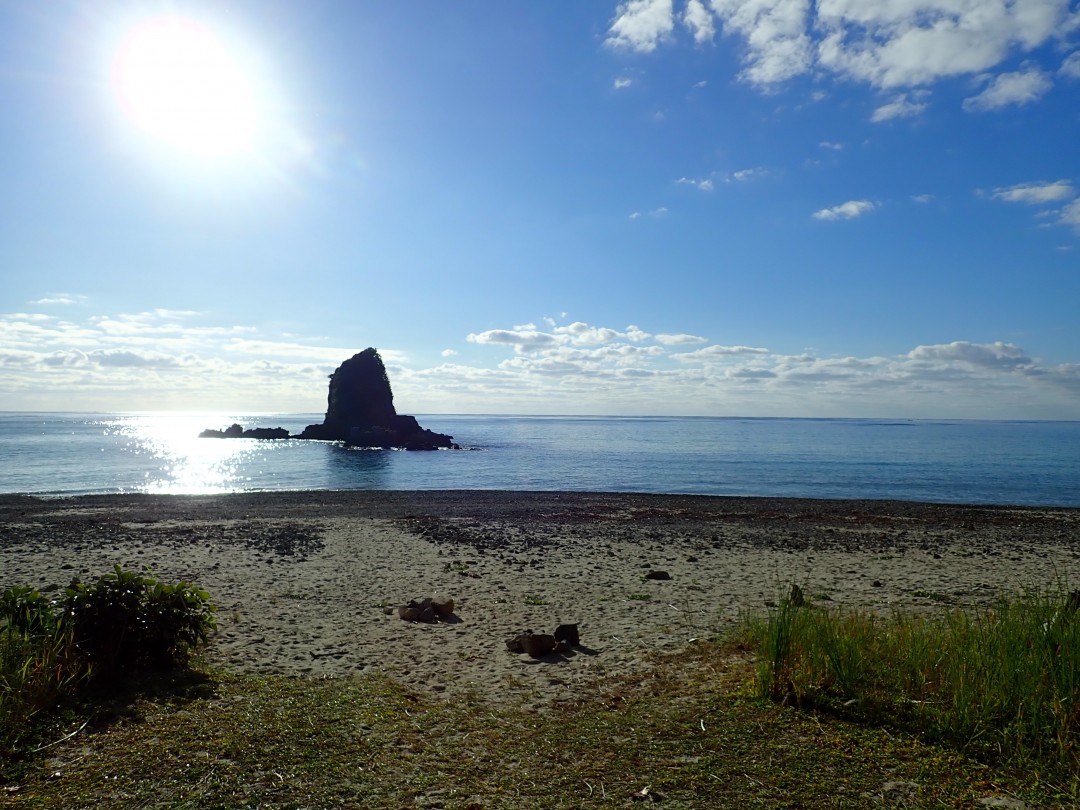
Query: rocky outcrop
point(235, 431)
point(360, 410)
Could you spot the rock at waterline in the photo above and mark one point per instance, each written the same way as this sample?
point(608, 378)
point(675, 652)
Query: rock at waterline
point(360, 412)
point(235, 431)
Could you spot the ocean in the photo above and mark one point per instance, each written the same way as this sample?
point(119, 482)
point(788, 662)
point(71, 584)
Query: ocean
point(976, 462)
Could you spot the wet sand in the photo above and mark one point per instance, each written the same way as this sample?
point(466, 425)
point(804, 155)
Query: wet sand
point(303, 580)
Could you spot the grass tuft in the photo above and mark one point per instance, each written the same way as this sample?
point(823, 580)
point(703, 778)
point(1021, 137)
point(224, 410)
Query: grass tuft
point(1002, 683)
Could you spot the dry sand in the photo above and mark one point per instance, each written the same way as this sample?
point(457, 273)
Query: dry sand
point(302, 580)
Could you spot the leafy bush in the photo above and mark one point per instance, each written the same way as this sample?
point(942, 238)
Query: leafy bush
point(121, 624)
point(128, 621)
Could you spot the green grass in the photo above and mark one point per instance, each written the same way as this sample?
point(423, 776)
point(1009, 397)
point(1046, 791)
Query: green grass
point(1000, 683)
point(37, 673)
point(823, 708)
point(692, 732)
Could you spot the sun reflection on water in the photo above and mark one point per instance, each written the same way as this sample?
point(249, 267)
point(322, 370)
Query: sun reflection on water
point(178, 461)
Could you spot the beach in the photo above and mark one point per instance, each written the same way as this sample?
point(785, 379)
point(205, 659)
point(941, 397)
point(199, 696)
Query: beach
point(307, 583)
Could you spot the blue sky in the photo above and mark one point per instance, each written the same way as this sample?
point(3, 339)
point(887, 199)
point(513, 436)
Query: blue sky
point(732, 207)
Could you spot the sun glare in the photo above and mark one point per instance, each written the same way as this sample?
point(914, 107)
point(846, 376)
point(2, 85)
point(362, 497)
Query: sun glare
point(178, 82)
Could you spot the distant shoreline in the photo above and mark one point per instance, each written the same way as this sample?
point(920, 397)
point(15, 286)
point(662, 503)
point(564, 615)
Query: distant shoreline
point(396, 503)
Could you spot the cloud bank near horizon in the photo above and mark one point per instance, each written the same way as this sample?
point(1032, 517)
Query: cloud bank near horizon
point(169, 360)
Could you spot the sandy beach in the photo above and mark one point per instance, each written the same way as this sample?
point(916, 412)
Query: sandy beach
point(305, 582)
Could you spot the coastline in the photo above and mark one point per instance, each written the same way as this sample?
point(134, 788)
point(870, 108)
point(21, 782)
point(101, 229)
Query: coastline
point(302, 580)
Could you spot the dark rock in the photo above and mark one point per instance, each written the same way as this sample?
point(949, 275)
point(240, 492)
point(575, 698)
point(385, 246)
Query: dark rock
point(426, 610)
point(360, 410)
point(537, 645)
point(517, 643)
point(443, 606)
point(658, 575)
point(266, 433)
point(235, 431)
point(568, 633)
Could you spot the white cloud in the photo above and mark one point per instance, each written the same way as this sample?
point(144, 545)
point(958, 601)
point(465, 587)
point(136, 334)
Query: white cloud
point(922, 199)
point(1044, 194)
point(700, 22)
point(622, 82)
point(1036, 193)
point(679, 340)
point(884, 43)
point(656, 213)
point(119, 358)
point(59, 299)
point(566, 339)
point(836, 147)
point(581, 333)
point(1007, 89)
point(1070, 68)
point(1070, 215)
point(990, 355)
point(849, 210)
point(715, 352)
point(778, 45)
point(907, 44)
point(641, 25)
point(746, 175)
point(520, 339)
point(751, 373)
point(47, 363)
point(448, 353)
point(704, 184)
point(904, 105)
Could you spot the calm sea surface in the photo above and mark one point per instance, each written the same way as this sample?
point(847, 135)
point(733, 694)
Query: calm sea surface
point(1034, 463)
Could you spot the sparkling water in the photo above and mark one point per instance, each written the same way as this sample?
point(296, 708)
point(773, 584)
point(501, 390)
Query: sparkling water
point(1024, 463)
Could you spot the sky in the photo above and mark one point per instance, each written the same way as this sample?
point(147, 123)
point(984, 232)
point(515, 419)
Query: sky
point(846, 208)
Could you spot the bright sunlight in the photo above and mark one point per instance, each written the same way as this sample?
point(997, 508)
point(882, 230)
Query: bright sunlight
point(178, 82)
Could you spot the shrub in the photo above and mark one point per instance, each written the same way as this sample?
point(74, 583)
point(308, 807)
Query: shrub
point(133, 622)
point(121, 624)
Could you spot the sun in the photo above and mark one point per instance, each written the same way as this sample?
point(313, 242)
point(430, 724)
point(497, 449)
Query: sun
point(177, 81)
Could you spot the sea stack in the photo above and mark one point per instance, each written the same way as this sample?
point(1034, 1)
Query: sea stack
point(360, 410)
